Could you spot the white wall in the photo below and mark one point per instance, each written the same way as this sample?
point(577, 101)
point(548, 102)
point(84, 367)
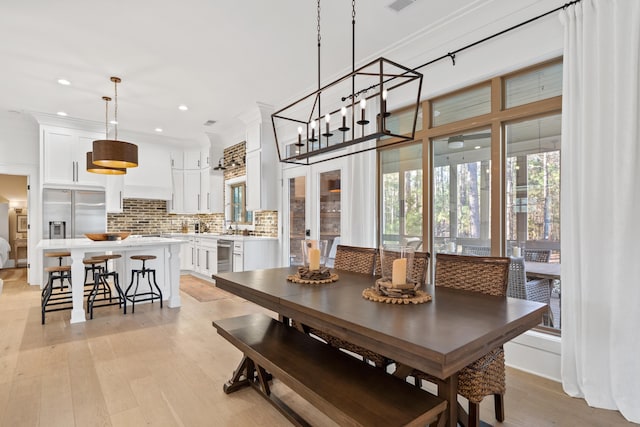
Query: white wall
point(19, 154)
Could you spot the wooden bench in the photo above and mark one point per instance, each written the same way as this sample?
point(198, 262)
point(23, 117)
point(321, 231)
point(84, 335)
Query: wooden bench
point(345, 389)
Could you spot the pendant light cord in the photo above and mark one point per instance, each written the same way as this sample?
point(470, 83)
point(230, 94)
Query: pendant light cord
point(115, 117)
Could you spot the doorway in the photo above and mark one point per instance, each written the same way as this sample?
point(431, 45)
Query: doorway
point(14, 221)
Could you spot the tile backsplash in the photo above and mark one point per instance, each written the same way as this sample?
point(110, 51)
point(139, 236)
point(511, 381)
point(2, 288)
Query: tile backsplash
point(142, 216)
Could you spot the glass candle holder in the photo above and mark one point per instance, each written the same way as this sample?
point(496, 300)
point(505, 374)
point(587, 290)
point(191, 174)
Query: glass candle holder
point(314, 253)
point(397, 264)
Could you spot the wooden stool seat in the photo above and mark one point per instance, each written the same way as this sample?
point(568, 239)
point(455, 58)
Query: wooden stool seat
point(91, 261)
point(57, 254)
point(57, 268)
point(101, 258)
point(143, 257)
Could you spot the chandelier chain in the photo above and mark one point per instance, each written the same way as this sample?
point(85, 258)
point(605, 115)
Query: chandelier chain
point(319, 23)
point(353, 10)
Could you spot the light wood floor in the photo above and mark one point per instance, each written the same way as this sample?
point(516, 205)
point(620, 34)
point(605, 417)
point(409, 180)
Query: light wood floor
point(166, 367)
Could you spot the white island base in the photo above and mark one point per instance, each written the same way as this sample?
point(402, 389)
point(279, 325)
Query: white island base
point(166, 264)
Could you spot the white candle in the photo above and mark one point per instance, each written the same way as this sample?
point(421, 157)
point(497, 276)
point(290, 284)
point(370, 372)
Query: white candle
point(516, 251)
point(314, 259)
point(399, 272)
point(363, 105)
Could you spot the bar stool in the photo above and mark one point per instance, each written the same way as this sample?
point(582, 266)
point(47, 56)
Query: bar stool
point(91, 268)
point(101, 280)
point(148, 295)
point(50, 300)
point(60, 256)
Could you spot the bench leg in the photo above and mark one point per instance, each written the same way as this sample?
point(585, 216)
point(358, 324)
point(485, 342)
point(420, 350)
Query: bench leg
point(241, 375)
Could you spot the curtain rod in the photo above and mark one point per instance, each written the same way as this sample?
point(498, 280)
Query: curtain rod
point(452, 54)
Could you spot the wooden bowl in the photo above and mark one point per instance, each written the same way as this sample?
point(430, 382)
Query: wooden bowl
point(98, 237)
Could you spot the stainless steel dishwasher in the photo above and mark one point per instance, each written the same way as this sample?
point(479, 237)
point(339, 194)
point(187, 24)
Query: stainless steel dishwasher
point(225, 255)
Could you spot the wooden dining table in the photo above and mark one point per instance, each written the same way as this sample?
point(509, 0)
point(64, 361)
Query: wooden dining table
point(439, 337)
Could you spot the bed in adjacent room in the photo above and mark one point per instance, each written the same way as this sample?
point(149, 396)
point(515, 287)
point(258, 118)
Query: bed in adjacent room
point(4, 251)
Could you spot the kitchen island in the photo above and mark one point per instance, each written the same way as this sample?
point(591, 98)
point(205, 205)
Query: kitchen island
point(167, 263)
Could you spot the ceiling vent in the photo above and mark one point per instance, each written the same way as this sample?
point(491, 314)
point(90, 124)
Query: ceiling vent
point(398, 5)
point(209, 123)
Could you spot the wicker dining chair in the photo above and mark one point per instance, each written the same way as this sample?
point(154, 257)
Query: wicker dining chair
point(537, 255)
point(358, 260)
point(485, 376)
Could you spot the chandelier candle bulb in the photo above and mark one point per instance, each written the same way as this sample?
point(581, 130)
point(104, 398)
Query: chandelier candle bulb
point(344, 127)
point(299, 135)
point(327, 119)
point(399, 272)
point(314, 259)
point(363, 105)
point(313, 131)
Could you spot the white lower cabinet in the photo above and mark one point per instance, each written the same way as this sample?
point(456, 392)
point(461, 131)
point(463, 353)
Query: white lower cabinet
point(188, 255)
point(200, 254)
point(207, 257)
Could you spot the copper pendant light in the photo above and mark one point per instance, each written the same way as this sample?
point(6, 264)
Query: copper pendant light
point(92, 167)
point(111, 152)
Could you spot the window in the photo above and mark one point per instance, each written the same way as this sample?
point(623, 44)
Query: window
point(462, 196)
point(401, 183)
point(494, 177)
point(239, 213)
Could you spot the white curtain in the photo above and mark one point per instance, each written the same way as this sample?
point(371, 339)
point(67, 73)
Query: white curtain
point(601, 204)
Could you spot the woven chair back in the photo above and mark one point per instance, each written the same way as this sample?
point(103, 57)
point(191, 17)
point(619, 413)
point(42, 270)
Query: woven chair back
point(355, 258)
point(418, 271)
point(488, 275)
point(537, 255)
point(517, 279)
point(476, 250)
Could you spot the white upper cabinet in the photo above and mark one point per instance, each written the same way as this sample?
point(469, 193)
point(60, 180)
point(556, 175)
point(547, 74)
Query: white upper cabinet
point(176, 203)
point(261, 160)
point(177, 159)
point(114, 193)
point(64, 154)
point(196, 159)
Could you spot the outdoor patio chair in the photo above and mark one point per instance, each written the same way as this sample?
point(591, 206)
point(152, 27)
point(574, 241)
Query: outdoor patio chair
point(537, 255)
point(485, 376)
point(533, 290)
point(476, 250)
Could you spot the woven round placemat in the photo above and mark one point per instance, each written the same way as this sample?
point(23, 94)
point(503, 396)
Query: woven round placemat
point(297, 279)
point(373, 295)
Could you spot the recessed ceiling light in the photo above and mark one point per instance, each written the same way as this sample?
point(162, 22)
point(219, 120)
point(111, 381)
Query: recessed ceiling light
point(61, 113)
point(183, 107)
point(477, 147)
point(113, 122)
point(158, 129)
point(64, 82)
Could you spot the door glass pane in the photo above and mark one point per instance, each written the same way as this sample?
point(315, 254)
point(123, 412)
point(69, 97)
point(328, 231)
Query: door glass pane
point(401, 204)
point(330, 211)
point(462, 197)
point(533, 208)
point(297, 225)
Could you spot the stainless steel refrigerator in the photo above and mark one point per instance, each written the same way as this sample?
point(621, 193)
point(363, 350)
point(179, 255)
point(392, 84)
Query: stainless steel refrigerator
point(72, 213)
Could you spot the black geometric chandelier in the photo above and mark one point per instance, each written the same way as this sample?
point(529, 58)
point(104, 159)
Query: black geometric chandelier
point(350, 114)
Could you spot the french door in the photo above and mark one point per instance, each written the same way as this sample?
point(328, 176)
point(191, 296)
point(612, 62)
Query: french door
point(313, 207)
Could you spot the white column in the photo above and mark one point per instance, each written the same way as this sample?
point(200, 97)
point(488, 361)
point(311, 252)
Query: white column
point(77, 277)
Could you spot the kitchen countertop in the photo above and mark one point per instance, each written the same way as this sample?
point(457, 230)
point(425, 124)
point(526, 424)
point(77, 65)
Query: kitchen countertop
point(236, 237)
point(83, 242)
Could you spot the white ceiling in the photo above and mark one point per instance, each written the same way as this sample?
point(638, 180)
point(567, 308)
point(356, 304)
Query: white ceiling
point(218, 58)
